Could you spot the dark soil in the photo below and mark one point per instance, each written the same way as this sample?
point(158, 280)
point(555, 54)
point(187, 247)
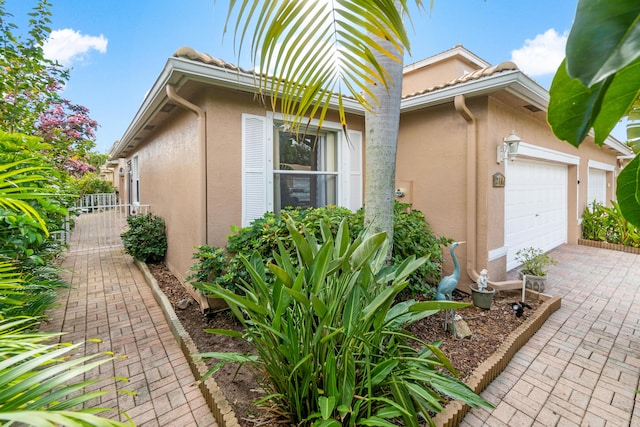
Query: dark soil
point(489, 329)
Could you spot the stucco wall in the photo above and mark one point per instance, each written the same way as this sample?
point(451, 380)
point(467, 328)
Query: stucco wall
point(435, 74)
point(171, 172)
point(432, 156)
point(432, 161)
point(169, 179)
point(224, 159)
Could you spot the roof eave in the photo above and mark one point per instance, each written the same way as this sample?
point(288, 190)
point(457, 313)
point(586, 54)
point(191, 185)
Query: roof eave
point(177, 71)
point(514, 82)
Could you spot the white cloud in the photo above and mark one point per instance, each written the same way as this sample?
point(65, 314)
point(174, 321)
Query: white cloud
point(67, 45)
point(542, 55)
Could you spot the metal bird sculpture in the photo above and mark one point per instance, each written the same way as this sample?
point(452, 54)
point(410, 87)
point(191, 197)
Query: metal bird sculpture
point(447, 285)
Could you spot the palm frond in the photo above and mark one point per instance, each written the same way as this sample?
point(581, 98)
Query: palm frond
point(42, 385)
point(318, 52)
point(15, 189)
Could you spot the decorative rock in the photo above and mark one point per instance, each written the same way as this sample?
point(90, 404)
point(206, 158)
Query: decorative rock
point(461, 327)
point(183, 303)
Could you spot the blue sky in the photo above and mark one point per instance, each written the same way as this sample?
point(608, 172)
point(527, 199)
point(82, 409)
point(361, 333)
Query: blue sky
point(117, 48)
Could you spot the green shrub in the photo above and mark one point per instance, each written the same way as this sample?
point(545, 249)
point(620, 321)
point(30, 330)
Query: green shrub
point(146, 238)
point(605, 224)
point(331, 341)
point(90, 183)
point(535, 262)
point(412, 236)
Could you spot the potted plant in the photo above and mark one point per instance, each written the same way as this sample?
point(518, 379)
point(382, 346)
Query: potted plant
point(535, 265)
point(481, 293)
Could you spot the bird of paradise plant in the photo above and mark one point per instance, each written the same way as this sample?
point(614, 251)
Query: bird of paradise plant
point(331, 339)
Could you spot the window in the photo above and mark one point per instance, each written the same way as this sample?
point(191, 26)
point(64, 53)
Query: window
point(306, 169)
point(280, 168)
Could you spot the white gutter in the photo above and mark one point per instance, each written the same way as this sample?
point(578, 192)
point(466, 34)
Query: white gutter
point(176, 72)
point(472, 197)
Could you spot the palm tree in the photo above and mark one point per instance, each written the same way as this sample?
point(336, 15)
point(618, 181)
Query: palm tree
point(319, 50)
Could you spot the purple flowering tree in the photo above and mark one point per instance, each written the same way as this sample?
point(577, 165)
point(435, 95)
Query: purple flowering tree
point(30, 87)
point(71, 133)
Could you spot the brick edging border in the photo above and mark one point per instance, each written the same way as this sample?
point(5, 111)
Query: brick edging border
point(453, 413)
point(217, 402)
point(607, 245)
point(488, 370)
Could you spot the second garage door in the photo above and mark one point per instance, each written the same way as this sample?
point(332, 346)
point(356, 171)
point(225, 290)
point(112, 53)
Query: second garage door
point(535, 206)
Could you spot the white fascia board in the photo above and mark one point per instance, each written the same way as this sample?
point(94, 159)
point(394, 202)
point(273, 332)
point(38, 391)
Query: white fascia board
point(602, 166)
point(536, 152)
point(177, 71)
point(458, 50)
point(151, 103)
point(231, 79)
point(518, 83)
point(620, 147)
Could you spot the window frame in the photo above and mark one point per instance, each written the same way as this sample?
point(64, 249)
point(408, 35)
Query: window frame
point(326, 137)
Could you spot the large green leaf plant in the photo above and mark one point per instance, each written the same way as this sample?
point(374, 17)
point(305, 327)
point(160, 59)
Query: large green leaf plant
point(599, 83)
point(330, 339)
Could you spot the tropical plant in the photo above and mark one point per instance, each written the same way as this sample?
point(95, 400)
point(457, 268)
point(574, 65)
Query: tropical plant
point(413, 237)
point(594, 225)
point(535, 262)
point(595, 90)
point(40, 382)
point(330, 338)
point(317, 52)
point(30, 185)
point(607, 224)
point(29, 153)
point(27, 207)
point(146, 238)
point(211, 267)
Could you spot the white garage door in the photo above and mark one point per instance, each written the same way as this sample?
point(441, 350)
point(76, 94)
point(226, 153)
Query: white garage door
point(597, 186)
point(535, 206)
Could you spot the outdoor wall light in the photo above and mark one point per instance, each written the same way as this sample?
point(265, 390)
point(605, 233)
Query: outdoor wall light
point(509, 148)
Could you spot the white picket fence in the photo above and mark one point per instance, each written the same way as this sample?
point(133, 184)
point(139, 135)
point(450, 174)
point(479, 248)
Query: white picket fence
point(97, 221)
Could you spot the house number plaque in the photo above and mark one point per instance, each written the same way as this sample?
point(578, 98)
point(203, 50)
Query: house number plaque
point(498, 180)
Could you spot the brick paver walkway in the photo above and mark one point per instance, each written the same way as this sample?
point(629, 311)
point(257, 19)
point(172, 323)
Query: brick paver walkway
point(108, 299)
point(583, 366)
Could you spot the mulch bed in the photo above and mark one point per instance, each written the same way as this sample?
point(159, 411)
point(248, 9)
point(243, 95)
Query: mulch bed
point(489, 328)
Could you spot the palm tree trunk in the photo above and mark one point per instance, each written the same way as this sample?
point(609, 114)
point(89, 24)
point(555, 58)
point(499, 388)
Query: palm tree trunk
point(382, 140)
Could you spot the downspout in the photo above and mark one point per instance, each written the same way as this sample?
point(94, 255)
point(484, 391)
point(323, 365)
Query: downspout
point(472, 196)
point(202, 144)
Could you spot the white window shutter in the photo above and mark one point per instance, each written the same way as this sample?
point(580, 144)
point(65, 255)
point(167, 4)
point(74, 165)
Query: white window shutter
point(254, 168)
point(354, 172)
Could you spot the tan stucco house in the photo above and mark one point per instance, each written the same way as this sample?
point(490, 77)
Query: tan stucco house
point(206, 154)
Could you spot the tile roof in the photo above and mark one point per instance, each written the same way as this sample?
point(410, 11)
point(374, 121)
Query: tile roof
point(475, 75)
point(192, 54)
